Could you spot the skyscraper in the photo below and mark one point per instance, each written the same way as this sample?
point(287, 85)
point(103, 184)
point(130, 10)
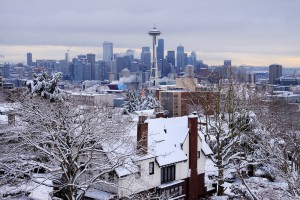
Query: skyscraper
point(180, 58)
point(6, 70)
point(29, 59)
point(275, 71)
point(227, 63)
point(171, 57)
point(91, 58)
point(146, 56)
point(1, 78)
point(107, 51)
point(160, 49)
point(77, 69)
point(82, 68)
point(130, 54)
point(193, 58)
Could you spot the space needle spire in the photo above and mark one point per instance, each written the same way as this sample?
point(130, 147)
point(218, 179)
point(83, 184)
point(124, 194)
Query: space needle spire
point(154, 69)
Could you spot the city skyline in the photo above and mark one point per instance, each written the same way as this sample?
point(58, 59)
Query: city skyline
point(250, 33)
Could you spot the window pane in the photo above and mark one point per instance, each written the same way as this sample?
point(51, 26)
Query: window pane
point(151, 168)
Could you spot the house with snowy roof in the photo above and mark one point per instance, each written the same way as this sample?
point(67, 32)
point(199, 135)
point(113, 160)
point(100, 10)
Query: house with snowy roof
point(171, 160)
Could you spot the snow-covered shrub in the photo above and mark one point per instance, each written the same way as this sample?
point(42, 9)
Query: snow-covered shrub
point(45, 86)
point(266, 171)
point(135, 101)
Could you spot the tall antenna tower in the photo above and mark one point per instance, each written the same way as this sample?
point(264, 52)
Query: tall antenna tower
point(154, 69)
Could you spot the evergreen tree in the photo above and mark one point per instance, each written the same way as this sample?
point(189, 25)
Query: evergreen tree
point(135, 101)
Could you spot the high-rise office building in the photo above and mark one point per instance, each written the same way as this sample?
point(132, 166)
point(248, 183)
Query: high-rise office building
point(1, 78)
point(275, 71)
point(101, 71)
point(108, 51)
point(87, 71)
point(6, 70)
point(91, 58)
point(160, 49)
point(77, 66)
point(29, 59)
point(81, 68)
point(227, 63)
point(192, 59)
point(146, 56)
point(130, 54)
point(180, 58)
point(171, 57)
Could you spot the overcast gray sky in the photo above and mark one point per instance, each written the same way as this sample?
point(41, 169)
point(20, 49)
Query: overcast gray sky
point(252, 32)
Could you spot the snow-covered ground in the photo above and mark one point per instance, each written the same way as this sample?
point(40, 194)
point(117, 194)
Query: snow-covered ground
point(35, 190)
point(262, 188)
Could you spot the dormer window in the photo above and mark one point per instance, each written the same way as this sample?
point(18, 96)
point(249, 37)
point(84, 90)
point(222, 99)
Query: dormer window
point(168, 174)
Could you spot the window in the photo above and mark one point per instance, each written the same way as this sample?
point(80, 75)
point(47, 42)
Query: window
point(138, 174)
point(180, 190)
point(198, 154)
point(151, 168)
point(168, 174)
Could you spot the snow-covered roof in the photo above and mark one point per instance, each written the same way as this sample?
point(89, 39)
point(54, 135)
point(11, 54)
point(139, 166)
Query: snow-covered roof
point(165, 185)
point(37, 189)
point(98, 194)
point(145, 112)
point(88, 94)
point(128, 168)
point(3, 119)
point(205, 148)
point(165, 137)
point(6, 107)
point(210, 168)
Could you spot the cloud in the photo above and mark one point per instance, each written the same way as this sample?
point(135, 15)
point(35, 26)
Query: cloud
point(269, 27)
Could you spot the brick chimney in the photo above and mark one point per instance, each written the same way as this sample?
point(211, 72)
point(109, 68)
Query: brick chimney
point(159, 113)
point(142, 135)
point(193, 189)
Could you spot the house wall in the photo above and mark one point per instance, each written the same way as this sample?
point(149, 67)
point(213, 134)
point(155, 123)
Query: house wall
point(201, 161)
point(134, 183)
point(146, 181)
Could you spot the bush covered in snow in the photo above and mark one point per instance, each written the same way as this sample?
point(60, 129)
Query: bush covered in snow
point(136, 100)
point(44, 85)
point(266, 171)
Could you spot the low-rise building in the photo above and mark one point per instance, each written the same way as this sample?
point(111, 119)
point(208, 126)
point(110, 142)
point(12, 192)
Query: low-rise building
point(181, 102)
point(82, 98)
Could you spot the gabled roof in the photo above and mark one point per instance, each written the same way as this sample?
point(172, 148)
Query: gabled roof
point(165, 137)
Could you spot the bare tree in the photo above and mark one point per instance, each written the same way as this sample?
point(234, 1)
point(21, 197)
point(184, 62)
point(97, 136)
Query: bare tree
point(75, 147)
point(283, 140)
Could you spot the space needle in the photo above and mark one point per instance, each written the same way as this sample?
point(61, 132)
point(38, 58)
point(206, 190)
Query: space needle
point(154, 69)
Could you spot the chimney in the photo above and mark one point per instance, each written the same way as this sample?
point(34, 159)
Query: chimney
point(142, 135)
point(193, 148)
point(159, 113)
